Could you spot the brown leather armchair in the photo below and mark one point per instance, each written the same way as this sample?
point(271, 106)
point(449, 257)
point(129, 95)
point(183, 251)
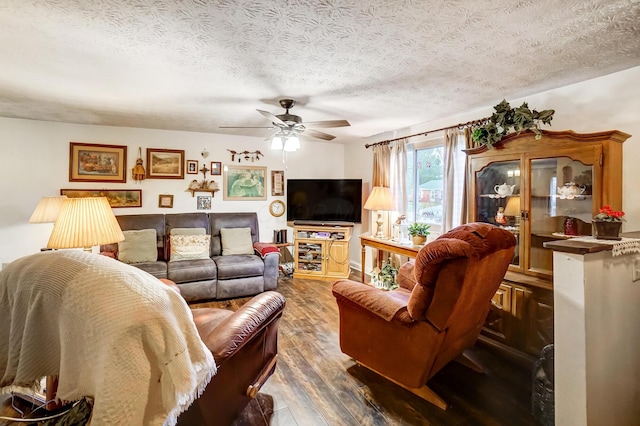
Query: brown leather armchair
point(244, 346)
point(408, 334)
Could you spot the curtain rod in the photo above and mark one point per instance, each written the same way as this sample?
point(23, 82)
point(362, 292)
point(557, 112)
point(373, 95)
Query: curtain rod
point(460, 126)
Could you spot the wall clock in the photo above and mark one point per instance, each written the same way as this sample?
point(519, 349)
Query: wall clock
point(277, 208)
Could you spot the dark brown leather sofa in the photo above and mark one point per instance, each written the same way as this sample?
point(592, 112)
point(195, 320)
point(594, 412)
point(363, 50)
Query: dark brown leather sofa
point(219, 277)
point(407, 335)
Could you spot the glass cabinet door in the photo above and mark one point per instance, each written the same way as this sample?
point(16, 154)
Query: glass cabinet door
point(498, 198)
point(561, 205)
point(309, 256)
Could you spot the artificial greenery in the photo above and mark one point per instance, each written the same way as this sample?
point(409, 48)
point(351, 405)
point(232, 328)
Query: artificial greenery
point(507, 120)
point(386, 278)
point(421, 229)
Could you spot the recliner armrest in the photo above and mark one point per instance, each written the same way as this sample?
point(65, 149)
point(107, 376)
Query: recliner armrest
point(237, 329)
point(385, 304)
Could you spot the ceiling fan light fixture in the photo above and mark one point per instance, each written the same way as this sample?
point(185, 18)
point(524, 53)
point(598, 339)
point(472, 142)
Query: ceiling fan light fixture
point(276, 142)
point(292, 143)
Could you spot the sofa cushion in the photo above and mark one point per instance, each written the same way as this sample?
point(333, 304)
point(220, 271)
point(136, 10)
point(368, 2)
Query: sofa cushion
point(236, 241)
point(138, 246)
point(191, 270)
point(239, 266)
point(157, 269)
point(189, 247)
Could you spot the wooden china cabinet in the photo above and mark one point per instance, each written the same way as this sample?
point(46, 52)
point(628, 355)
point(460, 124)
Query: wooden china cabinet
point(540, 190)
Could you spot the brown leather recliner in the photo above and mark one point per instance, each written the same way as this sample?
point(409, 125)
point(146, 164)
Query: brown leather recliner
point(244, 346)
point(408, 334)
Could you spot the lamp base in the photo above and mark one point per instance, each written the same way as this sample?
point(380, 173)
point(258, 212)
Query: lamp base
point(379, 231)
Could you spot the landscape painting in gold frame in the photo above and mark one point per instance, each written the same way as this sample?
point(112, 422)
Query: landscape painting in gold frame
point(97, 163)
point(120, 198)
point(165, 163)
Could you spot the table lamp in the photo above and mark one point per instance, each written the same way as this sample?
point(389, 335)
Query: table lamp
point(47, 211)
point(381, 200)
point(513, 209)
point(85, 222)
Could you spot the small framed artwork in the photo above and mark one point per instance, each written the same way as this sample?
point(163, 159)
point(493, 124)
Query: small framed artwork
point(165, 163)
point(277, 182)
point(204, 202)
point(216, 168)
point(117, 197)
point(165, 201)
point(97, 163)
point(192, 167)
point(245, 183)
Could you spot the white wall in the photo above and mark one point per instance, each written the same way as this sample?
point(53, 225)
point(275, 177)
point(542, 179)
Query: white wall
point(597, 340)
point(34, 162)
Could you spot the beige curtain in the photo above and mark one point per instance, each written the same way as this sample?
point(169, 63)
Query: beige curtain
point(454, 171)
point(398, 181)
point(468, 143)
point(381, 165)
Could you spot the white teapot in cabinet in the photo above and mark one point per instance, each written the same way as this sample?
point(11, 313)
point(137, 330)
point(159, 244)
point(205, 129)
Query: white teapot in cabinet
point(504, 189)
point(570, 190)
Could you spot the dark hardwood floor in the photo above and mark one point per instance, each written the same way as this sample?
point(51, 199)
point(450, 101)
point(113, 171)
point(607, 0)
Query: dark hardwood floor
point(316, 384)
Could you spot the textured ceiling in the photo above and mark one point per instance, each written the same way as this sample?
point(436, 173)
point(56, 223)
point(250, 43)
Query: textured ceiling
point(382, 65)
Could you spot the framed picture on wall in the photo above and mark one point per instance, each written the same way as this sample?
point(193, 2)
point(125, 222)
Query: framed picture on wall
point(97, 163)
point(192, 167)
point(165, 201)
point(117, 197)
point(245, 183)
point(216, 168)
point(204, 202)
point(165, 163)
point(277, 182)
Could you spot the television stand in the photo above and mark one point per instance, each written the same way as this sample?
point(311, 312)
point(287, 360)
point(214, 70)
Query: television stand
point(321, 250)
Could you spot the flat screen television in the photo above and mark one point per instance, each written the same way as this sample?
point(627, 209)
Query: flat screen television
point(324, 200)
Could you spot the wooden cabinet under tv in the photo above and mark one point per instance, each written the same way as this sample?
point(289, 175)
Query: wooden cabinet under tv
point(321, 251)
point(522, 185)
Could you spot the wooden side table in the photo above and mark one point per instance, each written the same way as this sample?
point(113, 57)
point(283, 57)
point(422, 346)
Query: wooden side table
point(385, 245)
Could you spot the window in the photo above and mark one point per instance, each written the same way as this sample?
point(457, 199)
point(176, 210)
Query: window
point(425, 189)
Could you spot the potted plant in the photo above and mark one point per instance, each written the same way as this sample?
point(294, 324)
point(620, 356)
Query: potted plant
point(507, 120)
point(607, 223)
point(386, 278)
point(419, 232)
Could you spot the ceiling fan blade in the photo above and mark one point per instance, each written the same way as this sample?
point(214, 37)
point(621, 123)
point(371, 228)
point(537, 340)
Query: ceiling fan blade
point(246, 127)
point(328, 123)
point(318, 135)
point(272, 117)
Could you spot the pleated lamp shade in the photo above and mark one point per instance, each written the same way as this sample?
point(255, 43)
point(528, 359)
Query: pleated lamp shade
point(380, 199)
point(47, 210)
point(85, 222)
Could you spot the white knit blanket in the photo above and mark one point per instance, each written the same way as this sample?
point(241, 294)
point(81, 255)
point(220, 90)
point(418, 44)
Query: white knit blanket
point(109, 331)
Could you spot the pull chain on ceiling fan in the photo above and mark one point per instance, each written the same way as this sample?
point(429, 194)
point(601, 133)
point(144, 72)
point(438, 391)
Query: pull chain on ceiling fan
point(291, 126)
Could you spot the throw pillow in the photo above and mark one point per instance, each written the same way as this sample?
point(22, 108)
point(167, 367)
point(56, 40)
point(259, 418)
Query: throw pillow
point(188, 231)
point(236, 241)
point(189, 247)
point(139, 245)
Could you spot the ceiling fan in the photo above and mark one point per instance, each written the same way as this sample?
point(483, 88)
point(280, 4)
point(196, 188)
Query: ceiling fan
point(289, 125)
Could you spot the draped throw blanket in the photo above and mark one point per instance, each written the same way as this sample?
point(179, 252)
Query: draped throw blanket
point(110, 331)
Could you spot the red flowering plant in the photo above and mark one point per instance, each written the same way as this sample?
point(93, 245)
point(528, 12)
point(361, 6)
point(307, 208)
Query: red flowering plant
point(607, 214)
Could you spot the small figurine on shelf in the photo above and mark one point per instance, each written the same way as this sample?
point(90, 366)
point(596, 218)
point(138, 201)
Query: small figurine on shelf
point(500, 218)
